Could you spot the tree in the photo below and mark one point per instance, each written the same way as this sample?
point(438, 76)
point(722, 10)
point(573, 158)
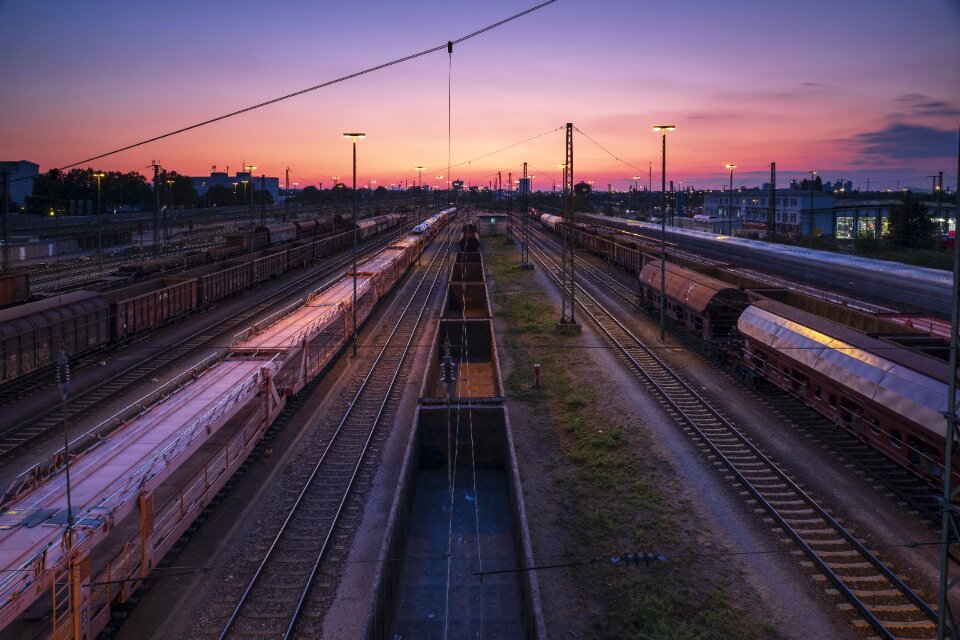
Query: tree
point(221, 196)
point(260, 197)
point(309, 195)
point(57, 189)
point(909, 227)
point(176, 190)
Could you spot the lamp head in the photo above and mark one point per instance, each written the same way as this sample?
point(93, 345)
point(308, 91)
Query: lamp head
point(731, 166)
point(664, 127)
point(355, 136)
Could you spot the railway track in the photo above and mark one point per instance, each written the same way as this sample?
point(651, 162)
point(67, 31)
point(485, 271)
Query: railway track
point(900, 485)
point(45, 420)
point(286, 595)
point(75, 271)
point(880, 600)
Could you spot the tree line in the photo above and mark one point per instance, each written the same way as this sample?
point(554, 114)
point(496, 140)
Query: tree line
point(65, 192)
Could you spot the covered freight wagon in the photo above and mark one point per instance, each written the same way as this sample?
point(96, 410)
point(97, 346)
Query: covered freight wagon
point(147, 305)
point(32, 334)
point(14, 288)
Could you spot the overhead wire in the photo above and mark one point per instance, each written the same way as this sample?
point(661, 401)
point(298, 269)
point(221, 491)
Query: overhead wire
point(322, 85)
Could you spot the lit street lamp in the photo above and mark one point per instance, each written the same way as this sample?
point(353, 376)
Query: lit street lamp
point(730, 207)
point(354, 137)
point(663, 128)
point(636, 195)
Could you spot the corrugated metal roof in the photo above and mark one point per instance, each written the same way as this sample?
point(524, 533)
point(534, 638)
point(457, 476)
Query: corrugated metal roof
point(695, 290)
point(837, 353)
point(39, 306)
point(919, 362)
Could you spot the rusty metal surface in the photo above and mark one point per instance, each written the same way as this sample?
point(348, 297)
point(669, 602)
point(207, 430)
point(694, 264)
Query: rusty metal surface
point(693, 290)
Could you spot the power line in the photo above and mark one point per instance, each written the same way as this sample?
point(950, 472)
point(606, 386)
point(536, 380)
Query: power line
point(611, 154)
point(301, 92)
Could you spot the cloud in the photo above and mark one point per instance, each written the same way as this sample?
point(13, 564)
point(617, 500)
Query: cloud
point(818, 85)
point(911, 97)
point(922, 105)
point(900, 140)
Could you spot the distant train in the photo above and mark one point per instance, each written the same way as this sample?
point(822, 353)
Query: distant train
point(32, 334)
point(909, 287)
point(850, 367)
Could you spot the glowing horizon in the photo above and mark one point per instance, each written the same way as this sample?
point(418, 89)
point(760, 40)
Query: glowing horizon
point(807, 94)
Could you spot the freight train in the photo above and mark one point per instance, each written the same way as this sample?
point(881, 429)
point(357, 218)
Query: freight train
point(908, 287)
point(856, 370)
point(32, 334)
point(166, 463)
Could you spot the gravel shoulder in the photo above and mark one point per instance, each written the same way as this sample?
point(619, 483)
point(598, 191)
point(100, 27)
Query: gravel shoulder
point(731, 563)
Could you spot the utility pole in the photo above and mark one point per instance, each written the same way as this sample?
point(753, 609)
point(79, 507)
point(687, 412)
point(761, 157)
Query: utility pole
point(772, 209)
point(568, 284)
point(156, 208)
point(946, 227)
point(286, 191)
point(949, 532)
point(6, 218)
point(649, 180)
point(525, 223)
point(263, 201)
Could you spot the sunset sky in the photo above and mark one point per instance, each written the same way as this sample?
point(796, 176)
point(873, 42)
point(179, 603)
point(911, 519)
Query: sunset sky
point(856, 89)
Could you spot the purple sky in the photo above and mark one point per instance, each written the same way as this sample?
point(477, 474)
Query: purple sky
point(854, 89)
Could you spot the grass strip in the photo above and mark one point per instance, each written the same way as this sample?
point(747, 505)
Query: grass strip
point(617, 495)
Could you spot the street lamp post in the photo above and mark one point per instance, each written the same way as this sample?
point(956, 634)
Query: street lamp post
point(636, 194)
point(354, 137)
point(249, 168)
point(663, 128)
point(812, 174)
point(730, 207)
point(63, 382)
point(166, 230)
point(99, 176)
point(419, 169)
point(336, 202)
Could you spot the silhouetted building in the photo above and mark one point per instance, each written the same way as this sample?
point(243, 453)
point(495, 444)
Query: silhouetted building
point(22, 173)
point(221, 179)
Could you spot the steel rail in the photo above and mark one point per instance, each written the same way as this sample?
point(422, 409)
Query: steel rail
point(245, 598)
point(586, 302)
point(18, 435)
point(906, 487)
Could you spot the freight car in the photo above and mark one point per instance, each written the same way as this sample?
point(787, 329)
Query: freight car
point(469, 238)
point(32, 334)
point(169, 445)
point(155, 266)
point(14, 288)
point(910, 287)
point(891, 397)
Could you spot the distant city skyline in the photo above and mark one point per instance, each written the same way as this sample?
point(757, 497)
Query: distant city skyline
point(858, 90)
